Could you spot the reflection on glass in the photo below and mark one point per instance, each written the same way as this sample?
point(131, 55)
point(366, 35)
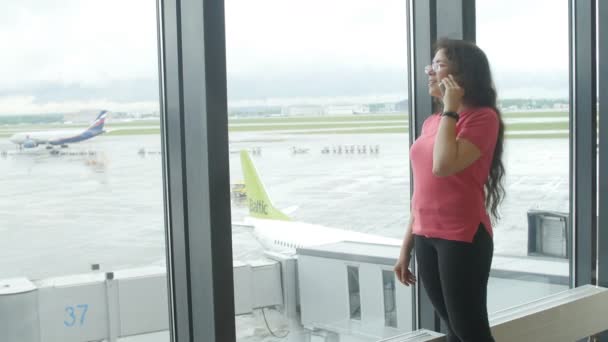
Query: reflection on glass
point(531, 240)
point(80, 171)
point(354, 295)
point(321, 106)
point(549, 234)
point(390, 307)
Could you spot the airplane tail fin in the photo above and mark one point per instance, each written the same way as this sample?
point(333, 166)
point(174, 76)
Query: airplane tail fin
point(97, 125)
point(260, 205)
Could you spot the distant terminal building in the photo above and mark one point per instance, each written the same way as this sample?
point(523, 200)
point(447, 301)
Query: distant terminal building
point(147, 115)
point(253, 111)
point(402, 106)
point(302, 110)
point(81, 117)
point(119, 116)
point(346, 109)
point(532, 105)
point(318, 109)
point(386, 107)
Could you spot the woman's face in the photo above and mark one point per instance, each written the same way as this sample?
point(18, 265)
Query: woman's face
point(437, 71)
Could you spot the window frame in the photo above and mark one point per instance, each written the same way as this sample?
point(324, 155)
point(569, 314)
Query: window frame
point(194, 130)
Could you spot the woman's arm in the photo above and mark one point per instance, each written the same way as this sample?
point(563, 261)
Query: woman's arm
point(451, 155)
point(408, 240)
point(402, 267)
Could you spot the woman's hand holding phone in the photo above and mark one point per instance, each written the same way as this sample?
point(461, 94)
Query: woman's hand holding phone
point(452, 94)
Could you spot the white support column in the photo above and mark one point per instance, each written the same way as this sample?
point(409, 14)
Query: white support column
point(112, 307)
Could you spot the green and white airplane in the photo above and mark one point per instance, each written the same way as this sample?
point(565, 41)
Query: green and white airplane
point(278, 232)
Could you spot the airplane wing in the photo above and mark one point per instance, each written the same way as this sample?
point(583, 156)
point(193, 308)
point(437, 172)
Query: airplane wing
point(242, 224)
point(290, 210)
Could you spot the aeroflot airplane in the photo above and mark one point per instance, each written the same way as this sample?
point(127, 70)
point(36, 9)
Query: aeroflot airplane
point(277, 232)
point(60, 138)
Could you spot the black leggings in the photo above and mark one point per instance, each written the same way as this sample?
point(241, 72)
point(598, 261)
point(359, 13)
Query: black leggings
point(455, 276)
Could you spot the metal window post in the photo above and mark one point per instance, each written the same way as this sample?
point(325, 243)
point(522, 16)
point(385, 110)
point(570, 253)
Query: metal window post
point(602, 87)
point(583, 139)
point(195, 169)
point(429, 20)
point(421, 34)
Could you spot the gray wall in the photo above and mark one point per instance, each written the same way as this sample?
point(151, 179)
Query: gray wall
point(324, 297)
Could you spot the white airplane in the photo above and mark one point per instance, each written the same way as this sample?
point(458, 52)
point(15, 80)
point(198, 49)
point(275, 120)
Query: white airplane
point(277, 232)
point(60, 138)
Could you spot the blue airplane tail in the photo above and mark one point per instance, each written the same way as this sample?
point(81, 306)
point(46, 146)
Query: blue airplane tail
point(97, 125)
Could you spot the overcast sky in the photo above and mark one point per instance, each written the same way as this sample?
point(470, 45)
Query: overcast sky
point(73, 55)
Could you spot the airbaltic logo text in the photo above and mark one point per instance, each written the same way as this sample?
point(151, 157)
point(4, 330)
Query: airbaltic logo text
point(258, 207)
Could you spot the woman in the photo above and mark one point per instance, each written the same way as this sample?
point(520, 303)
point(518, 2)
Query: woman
point(458, 172)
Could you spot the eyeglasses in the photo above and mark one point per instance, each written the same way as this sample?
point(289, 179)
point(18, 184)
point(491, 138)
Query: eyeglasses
point(436, 67)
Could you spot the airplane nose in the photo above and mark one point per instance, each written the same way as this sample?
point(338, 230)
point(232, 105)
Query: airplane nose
point(14, 139)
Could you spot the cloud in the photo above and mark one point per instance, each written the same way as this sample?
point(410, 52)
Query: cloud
point(64, 54)
point(87, 42)
point(319, 82)
point(533, 84)
point(521, 36)
point(27, 105)
point(119, 91)
point(307, 34)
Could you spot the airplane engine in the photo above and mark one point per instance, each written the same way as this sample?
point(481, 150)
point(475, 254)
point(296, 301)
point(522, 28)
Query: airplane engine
point(29, 143)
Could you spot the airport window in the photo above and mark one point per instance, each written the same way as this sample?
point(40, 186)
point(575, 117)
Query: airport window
point(81, 171)
point(354, 293)
point(319, 134)
point(533, 98)
point(390, 304)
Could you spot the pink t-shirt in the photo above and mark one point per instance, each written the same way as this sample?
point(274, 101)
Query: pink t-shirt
point(452, 207)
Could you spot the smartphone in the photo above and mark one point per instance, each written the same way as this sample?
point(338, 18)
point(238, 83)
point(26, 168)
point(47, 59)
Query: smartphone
point(442, 87)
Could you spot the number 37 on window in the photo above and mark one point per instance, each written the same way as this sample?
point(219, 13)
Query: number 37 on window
point(75, 315)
